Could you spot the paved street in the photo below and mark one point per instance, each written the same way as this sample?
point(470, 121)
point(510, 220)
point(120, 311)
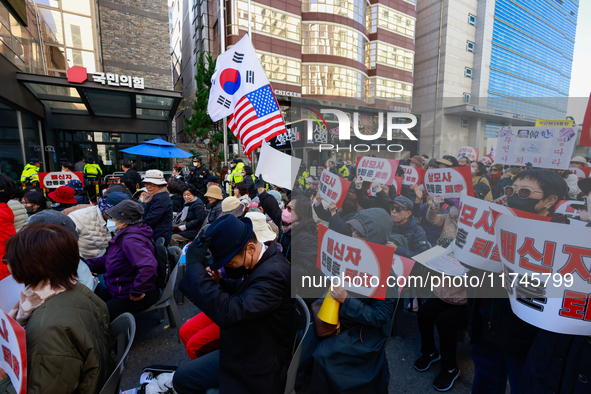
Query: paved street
point(155, 344)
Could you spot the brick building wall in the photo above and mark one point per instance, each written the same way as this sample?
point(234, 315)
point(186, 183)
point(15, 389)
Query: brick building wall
point(135, 40)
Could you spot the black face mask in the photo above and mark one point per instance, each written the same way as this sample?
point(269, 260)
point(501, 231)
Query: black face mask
point(236, 273)
point(527, 204)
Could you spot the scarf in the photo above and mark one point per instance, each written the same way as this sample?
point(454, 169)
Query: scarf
point(32, 297)
point(148, 196)
point(185, 210)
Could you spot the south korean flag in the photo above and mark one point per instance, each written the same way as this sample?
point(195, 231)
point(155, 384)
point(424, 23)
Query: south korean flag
point(238, 72)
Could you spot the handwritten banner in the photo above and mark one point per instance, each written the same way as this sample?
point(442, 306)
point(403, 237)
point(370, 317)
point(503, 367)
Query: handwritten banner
point(469, 152)
point(56, 179)
point(14, 352)
point(486, 160)
point(333, 188)
point(382, 170)
point(546, 147)
point(448, 182)
point(366, 264)
point(413, 175)
point(546, 273)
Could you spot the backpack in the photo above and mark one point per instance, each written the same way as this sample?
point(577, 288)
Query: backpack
point(166, 261)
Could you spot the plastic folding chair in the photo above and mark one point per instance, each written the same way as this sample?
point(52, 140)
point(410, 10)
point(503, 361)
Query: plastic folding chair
point(123, 332)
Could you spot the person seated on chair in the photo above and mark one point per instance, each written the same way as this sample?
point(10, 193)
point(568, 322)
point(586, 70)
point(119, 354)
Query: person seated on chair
point(66, 324)
point(130, 265)
point(355, 361)
point(188, 221)
point(255, 315)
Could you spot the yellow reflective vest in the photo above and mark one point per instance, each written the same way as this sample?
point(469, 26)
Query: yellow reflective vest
point(302, 179)
point(236, 174)
point(30, 173)
point(344, 171)
point(92, 170)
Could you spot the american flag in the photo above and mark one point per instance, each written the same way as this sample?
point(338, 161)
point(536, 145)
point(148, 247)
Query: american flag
point(256, 119)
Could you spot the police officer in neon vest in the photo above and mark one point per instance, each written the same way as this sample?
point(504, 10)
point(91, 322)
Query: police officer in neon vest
point(343, 170)
point(30, 173)
point(236, 175)
point(304, 174)
point(92, 171)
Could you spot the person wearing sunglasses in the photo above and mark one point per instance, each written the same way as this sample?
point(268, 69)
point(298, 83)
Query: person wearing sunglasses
point(502, 341)
point(405, 224)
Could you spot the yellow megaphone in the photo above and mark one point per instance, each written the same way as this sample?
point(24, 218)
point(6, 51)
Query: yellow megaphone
point(329, 310)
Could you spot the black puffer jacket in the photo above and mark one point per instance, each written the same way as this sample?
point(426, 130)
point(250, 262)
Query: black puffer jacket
point(303, 256)
point(194, 219)
point(557, 363)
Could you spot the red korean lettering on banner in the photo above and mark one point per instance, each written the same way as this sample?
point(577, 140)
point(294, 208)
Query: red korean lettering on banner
point(508, 241)
point(339, 252)
point(353, 255)
point(482, 247)
point(467, 215)
point(547, 256)
point(575, 305)
point(575, 262)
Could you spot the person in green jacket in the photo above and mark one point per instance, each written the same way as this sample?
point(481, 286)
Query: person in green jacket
point(303, 175)
point(343, 170)
point(92, 171)
point(30, 173)
point(236, 175)
point(66, 325)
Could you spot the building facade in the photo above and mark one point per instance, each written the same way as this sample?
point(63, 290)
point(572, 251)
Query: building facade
point(82, 78)
point(483, 64)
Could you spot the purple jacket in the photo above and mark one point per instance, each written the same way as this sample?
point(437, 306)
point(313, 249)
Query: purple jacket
point(130, 263)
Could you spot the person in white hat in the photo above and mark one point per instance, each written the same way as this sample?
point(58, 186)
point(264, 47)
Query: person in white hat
point(578, 162)
point(232, 206)
point(158, 213)
point(261, 227)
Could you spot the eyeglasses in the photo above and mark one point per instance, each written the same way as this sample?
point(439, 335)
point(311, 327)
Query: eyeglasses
point(522, 192)
point(289, 208)
point(398, 209)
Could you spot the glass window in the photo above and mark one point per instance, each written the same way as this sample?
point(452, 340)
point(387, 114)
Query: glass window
point(470, 46)
point(468, 72)
point(11, 162)
point(51, 3)
point(51, 29)
point(472, 20)
point(467, 97)
point(336, 40)
point(77, 6)
point(153, 100)
point(390, 89)
point(390, 55)
point(76, 57)
point(464, 122)
point(281, 68)
point(353, 9)
point(265, 20)
point(63, 105)
point(78, 32)
point(393, 20)
point(56, 59)
point(327, 80)
point(128, 138)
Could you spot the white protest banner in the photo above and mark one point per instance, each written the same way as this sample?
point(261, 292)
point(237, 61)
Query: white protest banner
point(501, 200)
point(14, 352)
point(486, 160)
point(547, 147)
point(277, 168)
point(362, 267)
point(469, 152)
point(448, 182)
point(402, 267)
point(546, 273)
point(11, 293)
point(581, 172)
point(565, 207)
point(413, 175)
point(382, 170)
point(57, 179)
point(441, 260)
point(333, 188)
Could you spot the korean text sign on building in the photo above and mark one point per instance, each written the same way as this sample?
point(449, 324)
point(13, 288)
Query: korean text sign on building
point(546, 147)
point(333, 188)
point(14, 352)
point(382, 170)
point(546, 273)
point(448, 182)
point(366, 264)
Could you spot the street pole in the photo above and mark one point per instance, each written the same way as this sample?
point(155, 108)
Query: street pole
point(222, 27)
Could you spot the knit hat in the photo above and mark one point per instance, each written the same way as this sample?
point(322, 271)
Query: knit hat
point(111, 200)
point(63, 195)
point(213, 179)
point(54, 217)
point(275, 194)
point(76, 185)
point(419, 161)
point(261, 227)
point(127, 211)
point(214, 192)
point(155, 177)
point(232, 205)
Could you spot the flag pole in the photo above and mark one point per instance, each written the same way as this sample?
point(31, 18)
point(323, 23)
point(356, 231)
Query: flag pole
point(222, 27)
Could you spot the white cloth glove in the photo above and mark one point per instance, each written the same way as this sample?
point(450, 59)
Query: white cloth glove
point(183, 227)
point(376, 187)
point(358, 182)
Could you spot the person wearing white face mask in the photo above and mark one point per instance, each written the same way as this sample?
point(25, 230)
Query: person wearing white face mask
point(130, 265)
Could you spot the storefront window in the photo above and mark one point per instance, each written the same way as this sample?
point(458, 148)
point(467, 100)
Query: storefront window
point(11, 156)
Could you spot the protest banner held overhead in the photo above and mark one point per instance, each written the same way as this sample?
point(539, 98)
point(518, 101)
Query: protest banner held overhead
point(333, 188)
point(14, 352)
point(273, 165)
point(413, 175)
point(486, 160)
point(546, 274)
point(382, 170)
point(469, 152)
point(581, 172)
point(565, 207)
point(367, 265)
point(51, 180)
point(448, 182)
point(546, 147)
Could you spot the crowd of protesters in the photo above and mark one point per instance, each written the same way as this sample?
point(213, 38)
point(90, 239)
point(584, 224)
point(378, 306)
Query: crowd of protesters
point(249, 245)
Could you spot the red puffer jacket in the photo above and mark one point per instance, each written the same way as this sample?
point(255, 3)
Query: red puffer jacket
point(6, 231)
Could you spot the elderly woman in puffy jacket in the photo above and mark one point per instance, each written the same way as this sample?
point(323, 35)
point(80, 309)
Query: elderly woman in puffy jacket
point(158, 206)
point(189, 220)
point(130, 265)
point(66, 324)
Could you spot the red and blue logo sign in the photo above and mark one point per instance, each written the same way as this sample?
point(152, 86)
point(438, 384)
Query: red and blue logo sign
point(230, 80)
